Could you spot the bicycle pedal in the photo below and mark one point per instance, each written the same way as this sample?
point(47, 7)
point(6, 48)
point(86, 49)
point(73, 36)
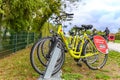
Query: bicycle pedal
point(83, 59)
point(79, 64)
point(47, 56)
point(65, 51)
point(76, 60)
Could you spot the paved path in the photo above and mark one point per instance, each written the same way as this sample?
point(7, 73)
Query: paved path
point(114, 46)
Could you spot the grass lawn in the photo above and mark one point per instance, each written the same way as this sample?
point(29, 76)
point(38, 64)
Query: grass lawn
point(117, 41)
point(17, 67)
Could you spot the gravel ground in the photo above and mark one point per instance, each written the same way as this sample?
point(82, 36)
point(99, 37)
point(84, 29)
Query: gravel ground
point(114, 46)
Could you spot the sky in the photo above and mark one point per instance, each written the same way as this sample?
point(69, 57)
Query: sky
point(99, 13)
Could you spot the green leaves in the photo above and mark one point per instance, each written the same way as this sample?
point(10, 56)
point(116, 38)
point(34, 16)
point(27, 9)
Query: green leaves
point(18, 14)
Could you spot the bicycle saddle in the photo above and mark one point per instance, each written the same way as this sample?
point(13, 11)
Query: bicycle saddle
point(71, 33)
point(87, 26)
point(78, 28)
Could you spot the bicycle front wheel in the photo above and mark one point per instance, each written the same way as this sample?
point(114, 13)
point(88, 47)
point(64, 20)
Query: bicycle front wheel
point(97, 61)
point(40, 59)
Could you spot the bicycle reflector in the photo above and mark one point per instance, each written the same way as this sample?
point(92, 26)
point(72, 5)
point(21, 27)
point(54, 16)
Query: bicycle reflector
point(101, 44)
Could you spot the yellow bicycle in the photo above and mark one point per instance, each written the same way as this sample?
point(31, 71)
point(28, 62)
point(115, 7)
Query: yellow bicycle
point(82, 47)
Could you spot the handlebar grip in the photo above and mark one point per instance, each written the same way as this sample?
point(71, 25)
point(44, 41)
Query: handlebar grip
point(69, 14)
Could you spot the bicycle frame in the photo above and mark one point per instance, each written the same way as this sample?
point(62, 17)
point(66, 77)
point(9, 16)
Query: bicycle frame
point(72, 52)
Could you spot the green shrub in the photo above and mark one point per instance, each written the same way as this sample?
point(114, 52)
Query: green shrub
point(117, 36)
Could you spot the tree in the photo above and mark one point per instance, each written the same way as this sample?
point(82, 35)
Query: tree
point(18, 14)
point(1, 17)
point(49, 8)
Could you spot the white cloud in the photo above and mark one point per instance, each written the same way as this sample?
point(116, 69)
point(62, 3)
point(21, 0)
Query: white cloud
point(107, 5)
point(107, 18)
point(100, 13)
point(117, 20)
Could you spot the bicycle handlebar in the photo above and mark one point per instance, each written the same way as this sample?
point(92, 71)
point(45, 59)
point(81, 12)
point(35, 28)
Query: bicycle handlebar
point(69, 14)
point(62, 17)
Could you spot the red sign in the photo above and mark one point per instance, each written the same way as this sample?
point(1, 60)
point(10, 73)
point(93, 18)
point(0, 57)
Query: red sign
point(101, 44)
point(111, 37)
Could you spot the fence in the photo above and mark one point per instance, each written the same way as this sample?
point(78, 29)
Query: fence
point(15, 42)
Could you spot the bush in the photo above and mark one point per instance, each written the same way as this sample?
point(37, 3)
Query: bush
point(117, 36)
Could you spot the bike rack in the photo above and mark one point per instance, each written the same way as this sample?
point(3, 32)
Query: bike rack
point(48, 73)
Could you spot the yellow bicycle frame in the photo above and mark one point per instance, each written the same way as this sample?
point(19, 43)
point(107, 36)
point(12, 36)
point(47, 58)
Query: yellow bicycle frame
point(72, 51)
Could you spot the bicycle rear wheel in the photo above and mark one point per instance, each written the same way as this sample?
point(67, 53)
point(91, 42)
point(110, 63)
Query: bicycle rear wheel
point(39, 61)
point(96, 61)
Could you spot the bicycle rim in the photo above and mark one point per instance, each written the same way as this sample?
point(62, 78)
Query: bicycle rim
point(39, 64)
point(44, 55)
point(96, 61)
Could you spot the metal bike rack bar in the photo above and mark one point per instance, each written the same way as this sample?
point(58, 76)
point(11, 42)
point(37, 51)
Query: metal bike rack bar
point(48, 73)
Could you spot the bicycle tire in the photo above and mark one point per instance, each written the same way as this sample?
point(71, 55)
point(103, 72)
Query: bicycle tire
point(93, 64)
point(42, 71)
point(51, 46)
point(40, 48)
